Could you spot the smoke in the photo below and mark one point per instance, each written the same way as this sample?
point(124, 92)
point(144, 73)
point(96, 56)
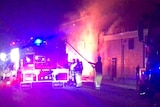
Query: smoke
point(100, 13)
point(85, 27)
point(94, 17)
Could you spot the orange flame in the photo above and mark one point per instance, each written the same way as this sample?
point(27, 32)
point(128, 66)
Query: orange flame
point(84, 32)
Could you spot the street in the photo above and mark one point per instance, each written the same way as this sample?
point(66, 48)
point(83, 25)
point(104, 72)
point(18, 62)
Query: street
point(86, 96)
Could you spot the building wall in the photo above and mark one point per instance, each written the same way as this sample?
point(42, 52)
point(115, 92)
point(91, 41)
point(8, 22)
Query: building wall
point(121, 54)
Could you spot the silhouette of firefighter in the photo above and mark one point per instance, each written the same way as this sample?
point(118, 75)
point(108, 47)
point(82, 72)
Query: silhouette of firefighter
point(72, 80)
point(76, 68)
point(98, 75)
point(78, 72)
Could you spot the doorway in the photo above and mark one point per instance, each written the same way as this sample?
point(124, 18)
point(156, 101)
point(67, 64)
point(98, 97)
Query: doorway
point(114, 68)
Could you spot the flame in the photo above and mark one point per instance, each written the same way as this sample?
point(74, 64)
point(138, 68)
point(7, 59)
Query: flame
point(84, 32)
point(85, 45)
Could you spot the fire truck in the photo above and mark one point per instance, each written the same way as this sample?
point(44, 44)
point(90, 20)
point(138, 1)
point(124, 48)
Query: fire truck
point(151, 86)
point(43, 61)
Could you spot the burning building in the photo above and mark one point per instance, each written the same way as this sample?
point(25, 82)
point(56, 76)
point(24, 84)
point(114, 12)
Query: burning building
point(121, 53)
point(99, 28)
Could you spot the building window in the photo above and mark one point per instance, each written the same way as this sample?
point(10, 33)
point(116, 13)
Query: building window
point(131, 43)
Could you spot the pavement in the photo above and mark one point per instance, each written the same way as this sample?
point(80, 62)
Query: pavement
point(123, 83)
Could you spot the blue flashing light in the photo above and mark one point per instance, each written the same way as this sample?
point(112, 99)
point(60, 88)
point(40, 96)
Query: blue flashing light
point(38, 41)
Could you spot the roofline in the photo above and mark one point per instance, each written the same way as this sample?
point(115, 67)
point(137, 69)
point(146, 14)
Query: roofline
point(123, 35)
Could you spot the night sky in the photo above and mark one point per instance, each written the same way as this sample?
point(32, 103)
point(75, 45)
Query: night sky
point(25, 18)
point(35, 16)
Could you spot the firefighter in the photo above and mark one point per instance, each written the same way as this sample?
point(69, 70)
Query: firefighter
point(72, 80)
point(78, 73)
point(98, 69)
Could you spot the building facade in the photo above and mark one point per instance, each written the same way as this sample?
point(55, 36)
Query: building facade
point(121, 54)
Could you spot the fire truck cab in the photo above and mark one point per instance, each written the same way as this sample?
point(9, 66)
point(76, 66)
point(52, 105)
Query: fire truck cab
point(43, 63)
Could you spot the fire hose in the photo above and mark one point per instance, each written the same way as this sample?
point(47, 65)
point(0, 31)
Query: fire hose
point(76, 51)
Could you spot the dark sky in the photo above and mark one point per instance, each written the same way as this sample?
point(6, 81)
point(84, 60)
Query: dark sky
point(25, 18)
point(40, 17)
point(35, 16)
